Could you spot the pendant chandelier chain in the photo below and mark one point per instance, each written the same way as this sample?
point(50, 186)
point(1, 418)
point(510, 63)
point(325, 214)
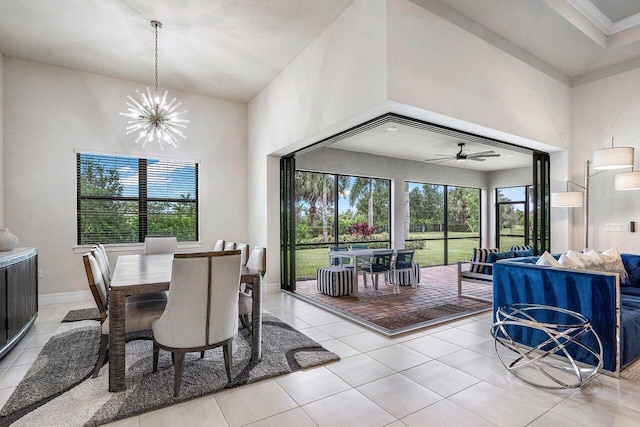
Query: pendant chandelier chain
point(155, 24)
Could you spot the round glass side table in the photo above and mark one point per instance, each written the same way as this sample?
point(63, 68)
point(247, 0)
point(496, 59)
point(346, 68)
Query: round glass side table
point(554, 337)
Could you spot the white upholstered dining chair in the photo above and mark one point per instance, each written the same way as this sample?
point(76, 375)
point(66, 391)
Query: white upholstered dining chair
point(160, 245)
point(219, 246)
point(257, 261)
point(230, 246)
point(139, 312)
point(202, 311)
point(244, 252)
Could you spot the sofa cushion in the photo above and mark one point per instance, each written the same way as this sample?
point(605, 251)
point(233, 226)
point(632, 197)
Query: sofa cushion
point(497, 256)
point(480, 255)
point(523, 253)
point(632, 266)
point(521, 248)
point(546, 259)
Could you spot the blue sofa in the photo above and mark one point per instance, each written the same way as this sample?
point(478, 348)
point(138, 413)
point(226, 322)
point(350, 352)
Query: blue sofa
point(612, 307)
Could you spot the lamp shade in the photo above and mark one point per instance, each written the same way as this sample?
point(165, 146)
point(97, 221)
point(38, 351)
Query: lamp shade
point(567, 199)
point(613, 158)
point(627, 181)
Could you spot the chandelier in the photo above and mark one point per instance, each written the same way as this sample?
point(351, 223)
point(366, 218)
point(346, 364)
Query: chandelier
point(153, 117)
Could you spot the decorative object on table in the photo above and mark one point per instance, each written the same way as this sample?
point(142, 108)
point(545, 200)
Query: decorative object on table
point(8, 240)
point(153, 117)
point(556, 337)
point(603, 159)
point(285, 350)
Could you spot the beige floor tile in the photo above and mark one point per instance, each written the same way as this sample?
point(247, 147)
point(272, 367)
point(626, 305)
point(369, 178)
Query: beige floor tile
point(445, 413)
point(39, 340)
point(28, 356)
point(340, 348)
point(398, 357)
point(194, 413)
point(619, 391)
point(396, 424)
point(293, 418)
point(13, 376)
point(366, 341)
point(432, 347)
point(360, 369)
point(461, 338)
point(497, 405)
point(297, 323)
point(473, 363)
point(534, 395)
point(45, 327)
point(398, 395)
point(597, 412)
point(554, 419)
point(479, 327)
point(316, 334)
point(253, 402)
point(440, 378)
point(349, 408)
point(436, 329)
point(314, 384)
point(322, 318)
point(407, 337)
point(5, 393)
point(341, 329)
point(11, 357)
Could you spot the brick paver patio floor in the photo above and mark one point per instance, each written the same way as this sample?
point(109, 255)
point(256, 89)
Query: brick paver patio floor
point(435, 300)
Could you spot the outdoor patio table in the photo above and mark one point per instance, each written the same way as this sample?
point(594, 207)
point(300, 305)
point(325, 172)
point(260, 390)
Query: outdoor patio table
point(354, 254)
point(139, 274)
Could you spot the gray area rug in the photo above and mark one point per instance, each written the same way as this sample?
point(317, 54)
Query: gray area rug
point(284, 350)
point(82, 314)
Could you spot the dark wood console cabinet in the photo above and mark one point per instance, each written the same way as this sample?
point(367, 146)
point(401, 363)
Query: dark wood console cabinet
point(18, 295)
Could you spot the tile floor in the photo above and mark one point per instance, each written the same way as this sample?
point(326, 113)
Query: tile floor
point(444, 376)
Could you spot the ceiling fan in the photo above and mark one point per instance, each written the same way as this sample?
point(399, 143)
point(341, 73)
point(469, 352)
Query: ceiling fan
point(463, 155)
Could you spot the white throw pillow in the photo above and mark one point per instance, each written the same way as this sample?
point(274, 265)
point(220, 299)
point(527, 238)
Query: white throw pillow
point(614, 263)
point(548, 260)
point(569, 262)
point(578, 258)
point(594, 257)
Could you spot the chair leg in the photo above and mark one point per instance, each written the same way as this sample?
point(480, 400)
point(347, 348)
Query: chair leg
point(227, 350)
point(104, 341)
point(156, 353)
point(242, 321)
point(177, 369)
point(374, 279)
point(364, 277)
point(247, 323)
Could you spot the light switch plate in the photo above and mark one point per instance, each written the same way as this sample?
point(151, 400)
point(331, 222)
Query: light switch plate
point(617, 226)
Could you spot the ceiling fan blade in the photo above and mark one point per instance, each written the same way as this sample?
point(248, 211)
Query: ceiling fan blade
point(490, 155)
point(477, 159)
point(482, 153)
point(440, 160)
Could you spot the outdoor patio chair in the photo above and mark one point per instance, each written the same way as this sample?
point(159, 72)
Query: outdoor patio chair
point(402, 263)
point(380, 263)
point(342, 260)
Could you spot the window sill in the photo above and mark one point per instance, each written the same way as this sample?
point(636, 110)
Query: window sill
point(133, 247)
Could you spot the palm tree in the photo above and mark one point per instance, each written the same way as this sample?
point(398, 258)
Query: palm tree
point(363, 187)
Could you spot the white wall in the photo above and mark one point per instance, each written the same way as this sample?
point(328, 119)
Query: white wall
point(50, 112)
point(341, 74)
point(603, 109)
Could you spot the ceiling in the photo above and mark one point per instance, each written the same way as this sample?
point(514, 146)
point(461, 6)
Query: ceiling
point(232, 49)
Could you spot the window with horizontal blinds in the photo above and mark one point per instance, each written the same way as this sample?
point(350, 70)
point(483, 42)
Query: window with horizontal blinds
point(124, 199)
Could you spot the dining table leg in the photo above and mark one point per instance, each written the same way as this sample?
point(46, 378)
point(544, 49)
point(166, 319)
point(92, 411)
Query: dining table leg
point(116, 340)
point(256, 320)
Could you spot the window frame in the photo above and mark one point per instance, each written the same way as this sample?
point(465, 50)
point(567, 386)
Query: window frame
point(528, 188)
point(142, 199)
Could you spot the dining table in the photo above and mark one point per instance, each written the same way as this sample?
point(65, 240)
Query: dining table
point(140, 274)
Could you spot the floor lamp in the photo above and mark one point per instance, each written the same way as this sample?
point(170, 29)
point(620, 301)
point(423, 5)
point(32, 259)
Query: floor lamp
point(603, 159)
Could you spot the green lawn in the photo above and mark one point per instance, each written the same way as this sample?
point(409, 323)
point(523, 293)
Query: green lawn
point(309, 260)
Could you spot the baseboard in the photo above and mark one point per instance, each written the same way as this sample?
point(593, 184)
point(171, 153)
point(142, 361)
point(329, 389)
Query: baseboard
point(62, 297)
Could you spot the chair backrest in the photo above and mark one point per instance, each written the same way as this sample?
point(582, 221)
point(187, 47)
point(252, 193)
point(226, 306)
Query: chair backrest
point(160, 245)
point(219, 246)
point(202, 308)
point(102, 249)
point(96, 284)
point(381, 260)
point(102, 263)
point(336, 261)
point(244, 249)
point(404, 258)
point(230, 246)
point(258, 260)
point(359, 246)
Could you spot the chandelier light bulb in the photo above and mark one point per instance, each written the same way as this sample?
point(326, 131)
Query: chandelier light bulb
point(153, 118)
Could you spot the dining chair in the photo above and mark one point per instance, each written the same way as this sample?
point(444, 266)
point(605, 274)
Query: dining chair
point(103, 265)
point(258, 262)
point(139, 314)
point(219, 246)
point(403, 262)
point(230, 246)
point(160, 245)
point(244, 249)
point(378, 264)
point(191, 325)
point(103, 250)
point(339, 260)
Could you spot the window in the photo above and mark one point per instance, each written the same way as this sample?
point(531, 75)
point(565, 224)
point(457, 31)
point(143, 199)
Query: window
point(338, 210)
point(124, 199)
point(442, 222)
point(513, 222)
